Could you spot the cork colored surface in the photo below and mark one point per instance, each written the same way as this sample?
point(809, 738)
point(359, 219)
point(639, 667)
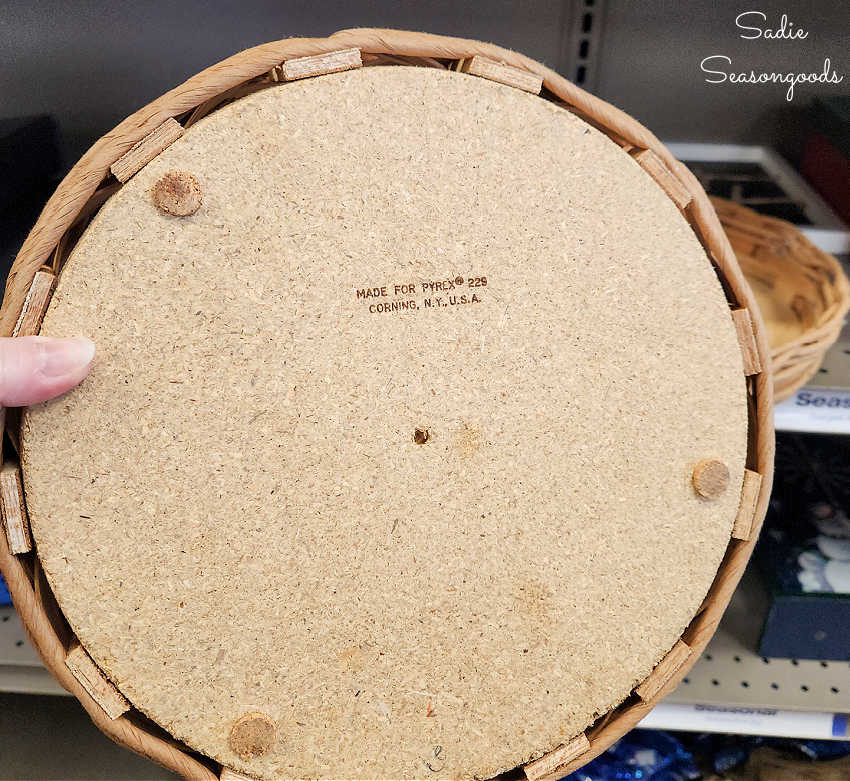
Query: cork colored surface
point(392, 440)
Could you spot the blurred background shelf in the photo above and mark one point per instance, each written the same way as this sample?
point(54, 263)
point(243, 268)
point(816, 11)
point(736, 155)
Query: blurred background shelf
point(21, 669)
point(822, 406)
point(733, 689)
point(757, 177)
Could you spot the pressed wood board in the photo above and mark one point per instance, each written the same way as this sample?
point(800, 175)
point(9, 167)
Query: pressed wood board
point(235, 510)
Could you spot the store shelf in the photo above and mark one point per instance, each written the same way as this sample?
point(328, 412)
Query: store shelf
point(814, 217)
point(737, 172)
point(733, 689)
point(20, 668)
point(823, 406)
point(739, 720)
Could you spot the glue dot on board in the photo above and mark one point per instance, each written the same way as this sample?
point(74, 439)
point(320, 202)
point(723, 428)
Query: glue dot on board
point(252, 735)
point(710, 478)
point(178, 193)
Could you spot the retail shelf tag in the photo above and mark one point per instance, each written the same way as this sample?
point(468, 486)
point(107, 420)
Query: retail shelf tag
point(748, 721)
point(815, 410)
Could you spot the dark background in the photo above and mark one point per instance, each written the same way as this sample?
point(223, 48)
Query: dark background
point(92, 63)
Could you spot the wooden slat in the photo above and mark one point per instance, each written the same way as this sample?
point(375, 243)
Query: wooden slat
point(35, 304)
point(747, 339)
point(743, 526)
point(663, 671)
point(92, 679)
point(14, 511)
point(319, 64)
point(138, 156)
point(549, 765)
point(504, 74)
point(666, 179)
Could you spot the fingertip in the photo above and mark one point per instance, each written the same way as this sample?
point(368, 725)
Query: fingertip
point(36, 368)
point(85, 349)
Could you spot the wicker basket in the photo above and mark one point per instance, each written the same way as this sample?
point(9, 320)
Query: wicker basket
point(802, 291)
point(90, 183)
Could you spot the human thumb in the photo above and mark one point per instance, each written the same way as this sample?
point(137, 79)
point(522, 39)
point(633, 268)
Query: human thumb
point(37, 368)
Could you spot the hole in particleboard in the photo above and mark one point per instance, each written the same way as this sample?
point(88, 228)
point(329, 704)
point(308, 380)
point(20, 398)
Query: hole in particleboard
point(421, 436)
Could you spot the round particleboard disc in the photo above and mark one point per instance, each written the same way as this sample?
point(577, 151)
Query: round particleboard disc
point(235, 510)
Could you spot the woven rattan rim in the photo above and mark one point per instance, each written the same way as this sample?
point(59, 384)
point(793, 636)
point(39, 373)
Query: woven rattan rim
point(767, 238)
point(89, 184)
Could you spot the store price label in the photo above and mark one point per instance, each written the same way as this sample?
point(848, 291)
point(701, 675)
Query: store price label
point(815, 410)
point(748, 721)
